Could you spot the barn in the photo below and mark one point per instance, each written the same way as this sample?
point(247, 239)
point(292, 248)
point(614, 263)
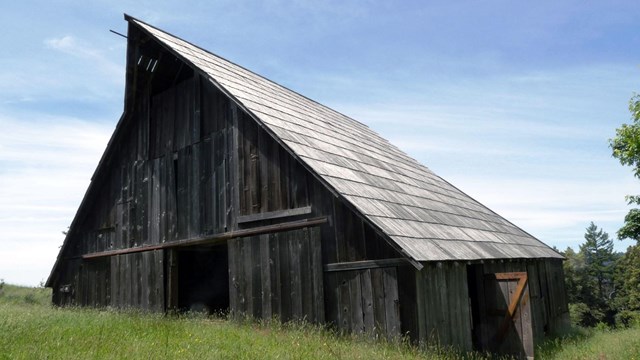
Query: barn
point(221, 190)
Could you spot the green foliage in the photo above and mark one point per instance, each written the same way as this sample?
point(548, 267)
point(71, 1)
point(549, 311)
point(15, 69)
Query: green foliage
point(625, 147)
point(626, 143)
point(574, 274)
point(627, 319)
point(631, 227)
point(583, 315)
point(628, 280)
point(599, 262)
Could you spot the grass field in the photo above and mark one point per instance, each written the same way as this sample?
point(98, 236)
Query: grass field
point(31, 329)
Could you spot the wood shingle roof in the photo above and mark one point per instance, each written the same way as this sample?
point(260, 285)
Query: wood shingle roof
point(428, 218)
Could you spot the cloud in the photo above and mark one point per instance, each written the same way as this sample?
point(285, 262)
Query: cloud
point(45, 166)
point(73, 46)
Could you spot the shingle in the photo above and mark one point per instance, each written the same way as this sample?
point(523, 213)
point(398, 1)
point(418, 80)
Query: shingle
point(427, 217)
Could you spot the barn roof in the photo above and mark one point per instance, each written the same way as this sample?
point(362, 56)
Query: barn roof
point(427, 217)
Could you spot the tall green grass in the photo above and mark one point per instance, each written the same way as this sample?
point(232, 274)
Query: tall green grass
point(32, 329)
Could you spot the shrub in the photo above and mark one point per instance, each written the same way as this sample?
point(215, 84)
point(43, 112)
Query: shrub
point(628, 318)
point(583, 315)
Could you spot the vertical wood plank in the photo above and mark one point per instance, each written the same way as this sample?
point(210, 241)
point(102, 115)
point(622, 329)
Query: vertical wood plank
point(196, 125)
point(315, 243)
point(233, 256)
point(392, 313)
point(154, 211)
point(234, 170)
point(345, 299)
point(367, 302)
point(256, 277)
point(379, 305)
point(332, 309)
point(355, 302)
point(265, 269)
point(294, 242)
point(195, 228)
point(305, 274)
point(285, 278)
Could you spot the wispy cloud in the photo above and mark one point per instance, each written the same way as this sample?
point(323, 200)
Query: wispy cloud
point(45, 167)
point(75, 47)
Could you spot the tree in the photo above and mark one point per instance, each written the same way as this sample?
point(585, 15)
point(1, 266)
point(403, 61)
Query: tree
point(573, 268)
point(628, 280)
point(626, 148)
point(599, 261)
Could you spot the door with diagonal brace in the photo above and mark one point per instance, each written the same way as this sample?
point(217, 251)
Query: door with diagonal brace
point(506, 317)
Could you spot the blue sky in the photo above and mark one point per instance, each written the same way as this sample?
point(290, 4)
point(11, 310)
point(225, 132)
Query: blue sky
point(512, 102)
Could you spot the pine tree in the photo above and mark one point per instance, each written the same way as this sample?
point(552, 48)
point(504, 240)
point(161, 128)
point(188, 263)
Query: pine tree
point(599, 261)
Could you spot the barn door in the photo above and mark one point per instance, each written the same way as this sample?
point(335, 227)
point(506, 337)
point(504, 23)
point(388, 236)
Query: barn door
point(508, 315)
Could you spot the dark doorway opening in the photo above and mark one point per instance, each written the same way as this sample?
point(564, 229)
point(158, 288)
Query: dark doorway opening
point(203, 279)
point(476, 299)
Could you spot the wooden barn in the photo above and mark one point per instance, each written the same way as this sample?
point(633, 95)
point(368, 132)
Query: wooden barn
point(223, 191)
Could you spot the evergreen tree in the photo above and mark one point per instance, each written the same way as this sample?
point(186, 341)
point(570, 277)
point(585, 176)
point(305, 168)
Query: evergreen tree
point(599, 261)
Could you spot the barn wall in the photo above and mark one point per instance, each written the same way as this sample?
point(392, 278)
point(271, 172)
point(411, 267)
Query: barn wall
point(365, 301)
point(443, 312)
point(450, 311)
point(277, 275)
point(137, 280)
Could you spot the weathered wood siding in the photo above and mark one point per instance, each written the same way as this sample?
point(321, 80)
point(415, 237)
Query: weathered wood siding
point(365, 301)
point(277, 275)
point(443, 305)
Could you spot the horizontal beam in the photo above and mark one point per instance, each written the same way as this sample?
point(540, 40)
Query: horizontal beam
point(274, 214)
point(511, 275)
point(365, 264)
point(214, 239)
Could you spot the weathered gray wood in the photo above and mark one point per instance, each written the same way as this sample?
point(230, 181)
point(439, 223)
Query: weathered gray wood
point(195, 196)
point(379, 304)
point(315, 244)
point(355, 302)
point(171, 202)
point(367, 302)
point(285, 277)
point(408, 305)
point(172, 269)
point(196, 84)
point(365, 264)
point(275, 278)
point(294, 242)
point(274, 214)
point(421, 309)
point(234, 287)
point(305, 275)
point(526, 324)
point(266, 271)
point(234, 171)
point(332, 309)
point(248, 265)
point(392, 312)
point(345, 298)
point(215, 239)
point(155, 210)
point(256, 277)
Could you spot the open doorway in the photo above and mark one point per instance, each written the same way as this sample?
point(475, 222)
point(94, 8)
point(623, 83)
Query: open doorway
point(203, 279)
